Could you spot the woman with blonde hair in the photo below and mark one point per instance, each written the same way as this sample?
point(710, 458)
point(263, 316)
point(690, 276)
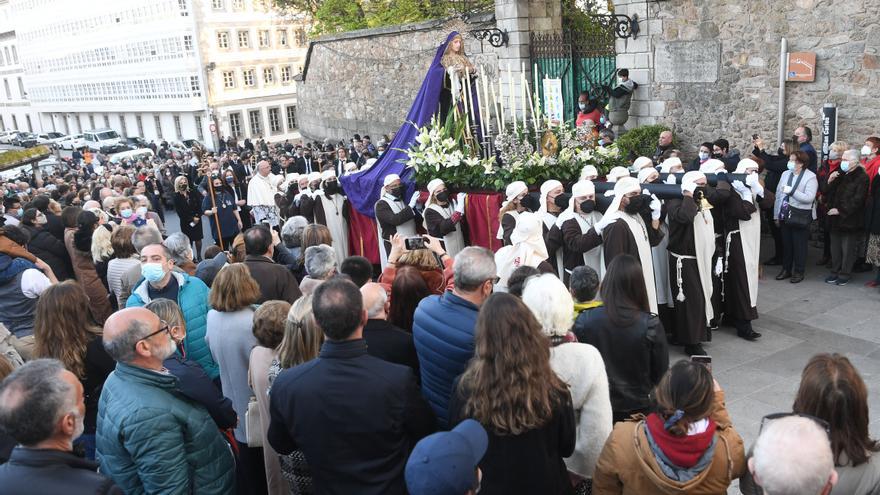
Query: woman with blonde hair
point(301, 343)
point(510, 388)
point(230, 338)
point(64, 330)
point(269, 323)
point(517, 200)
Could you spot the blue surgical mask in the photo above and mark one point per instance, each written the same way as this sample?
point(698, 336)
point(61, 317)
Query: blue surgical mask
point(20, 212)
point(230, 180)
point(790, 165)
point(126, 213)
point(152, 272)
point(602, 119)
point(601, 142)
point(582, 106)
point(844, 165)
point(704, 155)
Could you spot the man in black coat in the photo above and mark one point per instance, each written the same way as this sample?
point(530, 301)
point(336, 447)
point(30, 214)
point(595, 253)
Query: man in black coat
point(385, 340)
point(306, 164)
point(275, 279)
point(42, 408)
point(370, 411)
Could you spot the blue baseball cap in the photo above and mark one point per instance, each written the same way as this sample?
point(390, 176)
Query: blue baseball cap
point(445, 463)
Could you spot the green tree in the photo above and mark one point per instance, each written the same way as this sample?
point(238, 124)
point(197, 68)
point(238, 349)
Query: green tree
point(334, 16)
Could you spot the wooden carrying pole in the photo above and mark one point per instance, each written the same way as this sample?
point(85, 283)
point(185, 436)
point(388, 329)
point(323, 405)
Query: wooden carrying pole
point(216, 212)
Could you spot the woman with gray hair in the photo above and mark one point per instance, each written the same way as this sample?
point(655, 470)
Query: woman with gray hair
point(291, 234)
point(580, 366)
point(181, 252)
point(321, 264)
point(845, 196)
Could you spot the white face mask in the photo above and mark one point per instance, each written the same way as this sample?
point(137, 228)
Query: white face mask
point(866, 150)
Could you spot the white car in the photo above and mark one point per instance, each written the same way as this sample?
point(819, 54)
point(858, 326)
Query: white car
point(6, 137)
point(71, 142)
point(50, 138)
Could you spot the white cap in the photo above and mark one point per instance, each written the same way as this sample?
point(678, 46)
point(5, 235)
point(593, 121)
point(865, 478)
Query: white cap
point(745, 164)
point(711, 166)
point(589, 171)
point(692, 177)
point(616, 174)
point(666, 166)
point(434, 184)
point(645, 173)
point(642, 162)
point(582, 188)
point(389, 179)
point(514, 189)
point(328, 174)
point(314, 176)
point(626, 185)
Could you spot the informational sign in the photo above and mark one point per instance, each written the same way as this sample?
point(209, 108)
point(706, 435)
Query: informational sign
point(213, 127)
point(687, 61)
point(828, 128)
point(801, 67)
point(553, 99)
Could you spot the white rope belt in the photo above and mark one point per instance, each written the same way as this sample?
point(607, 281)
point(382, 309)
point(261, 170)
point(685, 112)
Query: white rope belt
point(678, 277)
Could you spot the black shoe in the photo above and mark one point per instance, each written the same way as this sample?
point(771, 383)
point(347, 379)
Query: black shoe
point(797, 278)
point(823, 261)
point(773, 262)
point(694, 350)
point(831, 279)
point(842, 281)
point(784, 274)
point(751, 335)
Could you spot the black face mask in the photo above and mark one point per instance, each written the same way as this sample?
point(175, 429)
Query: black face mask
point(398, 192)
point(635, 205)
point(587, 206)
point(562, 200)
point(331, 188)
point(443, 196)
point(530, 203)
point(717, 155)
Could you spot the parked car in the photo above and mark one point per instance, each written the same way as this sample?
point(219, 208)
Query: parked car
point(135, 142)
point(25, 140)
point(104, 140)
point(71, 142)
point(50, 139)
point(7, 136)
point(132, 155)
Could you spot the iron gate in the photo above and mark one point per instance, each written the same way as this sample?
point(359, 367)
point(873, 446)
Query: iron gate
point(584, 61)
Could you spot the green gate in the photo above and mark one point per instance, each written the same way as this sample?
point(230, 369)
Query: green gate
point(583, 59)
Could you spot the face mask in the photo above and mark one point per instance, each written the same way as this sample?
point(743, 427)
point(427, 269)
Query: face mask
point(790, 165)
point(582, 106)
point(833, 155)
point(844, 165)
point(142, 210)
point(530, 203)
point(230, 180)
point(562, 200)
point(40, 220)
point(331, 188)
point(704, 155)
point(866, 150)
point(152, 272)
point(635, 204)
point(126, 213)
point(601, 142)
point(587, 206)
point(602, 119)
point(717, 155)
point(20, 212)
point(443, 196)
point(398, 192)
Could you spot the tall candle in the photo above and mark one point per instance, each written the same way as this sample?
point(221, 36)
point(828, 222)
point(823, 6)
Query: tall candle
point(522, 91)
point(487, 115)
point(531, 107)
point(512, 94)
point(501, 101)
point(537, 106)
point(495, 107)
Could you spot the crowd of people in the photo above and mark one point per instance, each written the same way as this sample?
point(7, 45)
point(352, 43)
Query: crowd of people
point(136, 360)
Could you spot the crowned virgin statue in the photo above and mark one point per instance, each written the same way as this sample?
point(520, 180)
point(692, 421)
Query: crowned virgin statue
point(444, 88)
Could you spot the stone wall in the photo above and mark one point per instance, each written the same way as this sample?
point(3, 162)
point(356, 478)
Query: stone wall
point(364, 81)
point(710, 68)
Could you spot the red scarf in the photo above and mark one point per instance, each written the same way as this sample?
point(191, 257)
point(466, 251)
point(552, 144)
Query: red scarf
point(872, 167)
point(682, 451)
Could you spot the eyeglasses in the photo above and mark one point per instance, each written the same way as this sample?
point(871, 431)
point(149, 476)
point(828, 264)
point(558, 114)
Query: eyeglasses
point(495, 280)
point(772, 417)
point(164, 328)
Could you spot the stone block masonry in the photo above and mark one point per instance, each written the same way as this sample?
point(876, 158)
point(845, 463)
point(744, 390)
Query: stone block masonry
point(710, 68)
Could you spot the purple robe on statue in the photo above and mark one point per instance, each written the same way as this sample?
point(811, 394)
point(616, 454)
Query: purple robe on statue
point(364, 188)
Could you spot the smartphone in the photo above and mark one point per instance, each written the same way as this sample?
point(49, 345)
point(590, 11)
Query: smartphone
point(413, 243)
point(704, 360)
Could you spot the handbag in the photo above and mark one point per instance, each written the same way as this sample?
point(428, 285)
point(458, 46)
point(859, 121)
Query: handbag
point(253, 425)
point(796, 217)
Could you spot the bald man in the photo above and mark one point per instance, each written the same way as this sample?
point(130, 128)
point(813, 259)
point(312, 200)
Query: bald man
point(385, 340)
point(150, 438)
point(261, 195)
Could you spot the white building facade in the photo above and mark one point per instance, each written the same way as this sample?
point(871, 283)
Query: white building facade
point(16, 111)
point(149, 68)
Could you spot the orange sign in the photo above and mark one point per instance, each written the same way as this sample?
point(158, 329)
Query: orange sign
point(801, 67)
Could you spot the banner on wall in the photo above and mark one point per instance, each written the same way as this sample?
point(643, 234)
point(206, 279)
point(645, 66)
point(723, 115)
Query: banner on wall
point(553, 105)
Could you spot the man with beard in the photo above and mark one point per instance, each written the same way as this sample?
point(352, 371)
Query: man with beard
point(150, 437)
point(691, 248)
point(393, 215)
point(42, 408)
point(631, 225)
point(331, 210)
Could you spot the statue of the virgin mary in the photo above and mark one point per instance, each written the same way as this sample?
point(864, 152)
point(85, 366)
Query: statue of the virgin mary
point(443, 86)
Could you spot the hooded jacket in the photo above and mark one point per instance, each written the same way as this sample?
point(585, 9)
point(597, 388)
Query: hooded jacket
point(628, 465)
